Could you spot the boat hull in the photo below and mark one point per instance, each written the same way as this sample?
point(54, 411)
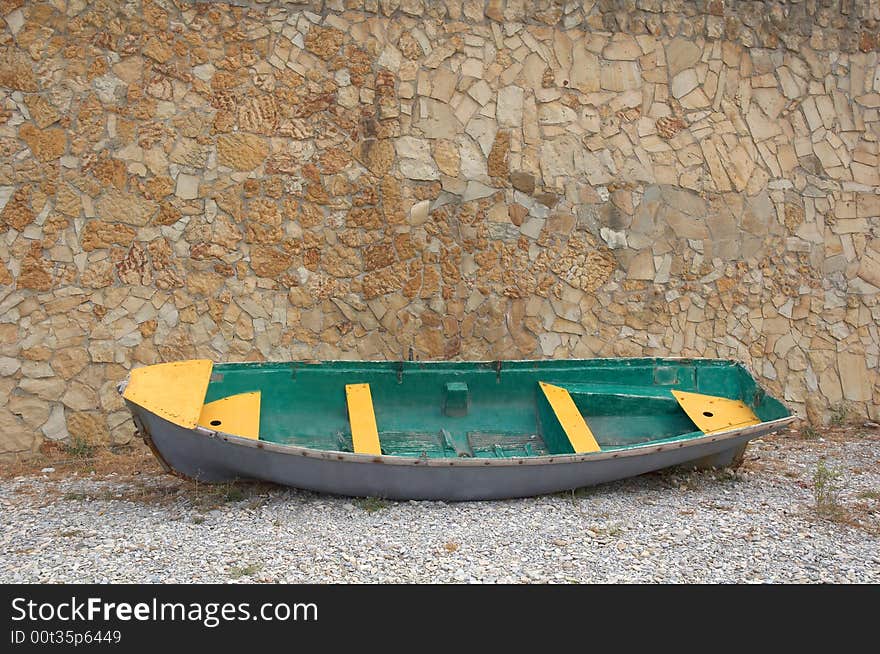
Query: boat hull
point(215, 457)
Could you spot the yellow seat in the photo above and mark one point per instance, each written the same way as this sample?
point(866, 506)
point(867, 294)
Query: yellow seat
point(712, 414)
point(570, 419)
point(238, 415)
point(364, 434)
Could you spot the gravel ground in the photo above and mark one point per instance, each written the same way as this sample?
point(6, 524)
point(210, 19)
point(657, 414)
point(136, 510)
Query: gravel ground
point(758, 524)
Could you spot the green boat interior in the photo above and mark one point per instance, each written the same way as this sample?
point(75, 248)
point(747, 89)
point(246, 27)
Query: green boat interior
point(483, 409)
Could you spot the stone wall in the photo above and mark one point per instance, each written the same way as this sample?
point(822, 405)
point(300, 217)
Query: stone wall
point(467, 179)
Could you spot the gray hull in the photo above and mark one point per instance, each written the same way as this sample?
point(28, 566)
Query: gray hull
point(216, 457)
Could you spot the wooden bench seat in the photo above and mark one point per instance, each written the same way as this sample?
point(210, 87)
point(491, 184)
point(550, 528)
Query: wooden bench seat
point(362, 418)
point(567, 430)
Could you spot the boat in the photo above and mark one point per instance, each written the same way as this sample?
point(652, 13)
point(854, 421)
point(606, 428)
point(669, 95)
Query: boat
point(447, 430)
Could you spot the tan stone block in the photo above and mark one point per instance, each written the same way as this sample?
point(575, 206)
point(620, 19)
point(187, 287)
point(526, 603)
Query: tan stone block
point(15, 435)
point(641, 266)
point(267, 261)
point(410, 47)
point(110, 172)
point(157, 49)
point(334, 160)
point(864, 174)
point(498, 156)
point(49, 388)
point(16, 71)
point(584, 71)
point(36, 271)
point(869, 267)
point(205, 283)
point(378, 256)
point(770, 100)
point(134, 267)
point(98, 234)
point(46, 144)
point(622, 47)
point(67, 201)
point(55, 427)
point(111, 400)
point(684, 82)
point(447, 157)
point(443, 83)
point(43, 112)
point(80, 397)
point(116, 206)
point(259, 114)
point(429, 343)
point(681, 53)
point(70, 361)
point(868, 205)
point(33, 411)
point(324, 41)
point(760, 126)
point(89, 427)
point(102, 351)
point(509, 107)
point(241, 151)
point(620, 76)
point(855, 378)
point(265, 211)
point(98, 274)
point(18, 213)
point(850, 226)
point(716, 167)
point(377, 155)
point(829, 385)
point(187, 187)
point(826, 154)
point(189, 152)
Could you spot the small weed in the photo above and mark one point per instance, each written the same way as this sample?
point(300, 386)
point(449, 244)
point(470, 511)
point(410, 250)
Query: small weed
point(451, 546)
point(826, 491)
point(371, 504)
point(869, 495)
point(256, 502)
point(809, 433)
point(839, 415)
point(198, 519)
point(573, 494)
point(207, 497)
point(79, 448)
point(245, 571)
point(232, 493)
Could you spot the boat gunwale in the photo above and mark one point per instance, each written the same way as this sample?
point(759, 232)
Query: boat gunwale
point(547, 459)
point(412, 365)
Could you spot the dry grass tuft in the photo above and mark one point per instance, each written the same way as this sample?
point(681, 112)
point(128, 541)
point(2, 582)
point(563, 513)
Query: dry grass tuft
point(100, 461)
